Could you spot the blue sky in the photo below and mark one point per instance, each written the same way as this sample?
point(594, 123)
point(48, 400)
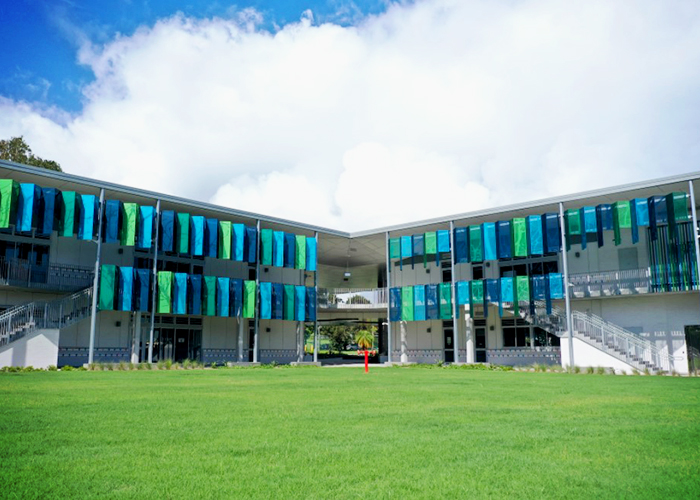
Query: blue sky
point(368, 113)
point(44, 35)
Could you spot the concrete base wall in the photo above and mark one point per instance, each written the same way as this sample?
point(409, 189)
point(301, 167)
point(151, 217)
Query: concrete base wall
point(38, 349)
point(586, 355)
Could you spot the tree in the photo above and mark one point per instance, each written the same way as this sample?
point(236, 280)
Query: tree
point(18, 151)
point(364, 339)
point(339, 336)
point(358, 299)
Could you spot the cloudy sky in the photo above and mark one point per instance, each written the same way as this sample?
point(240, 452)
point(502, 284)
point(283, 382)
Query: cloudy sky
point(355, 115)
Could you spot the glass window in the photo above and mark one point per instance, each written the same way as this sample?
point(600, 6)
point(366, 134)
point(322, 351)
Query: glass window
point(523, 336)
point(24, 250)
point(551, 266)
point(481, 338)
point(478, 272)
point(446, 275)
point(143, 263)
point(540, 336)
point(509, 337)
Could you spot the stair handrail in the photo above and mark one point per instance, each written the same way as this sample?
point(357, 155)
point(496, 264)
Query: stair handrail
point(637, 350)
point(621, 332)
point(20, 320)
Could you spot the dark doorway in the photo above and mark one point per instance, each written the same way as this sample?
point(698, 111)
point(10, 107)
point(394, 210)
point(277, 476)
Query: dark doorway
point(480, 337)
point(449, 344)
point(182, 345)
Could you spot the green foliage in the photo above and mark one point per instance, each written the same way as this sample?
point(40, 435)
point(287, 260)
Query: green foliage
point(67, 368)
point(358, 299)
point(52, 368)
point(339, 336)
point(600, 370)
point(365, 338)
point(17, 150)
point(590, 370)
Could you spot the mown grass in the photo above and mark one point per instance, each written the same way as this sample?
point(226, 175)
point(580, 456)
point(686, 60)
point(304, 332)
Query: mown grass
point(338, 433)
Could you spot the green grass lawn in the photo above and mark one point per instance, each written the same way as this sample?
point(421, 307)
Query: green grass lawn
point(338, 433)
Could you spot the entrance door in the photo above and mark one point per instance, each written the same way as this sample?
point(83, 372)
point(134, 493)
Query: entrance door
point(449, 344)
point(182, 344)
point(480, 348)
point(166, 343)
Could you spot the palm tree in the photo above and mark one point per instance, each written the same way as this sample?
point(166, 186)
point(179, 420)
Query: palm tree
point(364, 339)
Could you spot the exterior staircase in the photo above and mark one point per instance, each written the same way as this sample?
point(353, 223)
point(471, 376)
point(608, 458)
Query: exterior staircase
point(20, 321)
point(607, 337)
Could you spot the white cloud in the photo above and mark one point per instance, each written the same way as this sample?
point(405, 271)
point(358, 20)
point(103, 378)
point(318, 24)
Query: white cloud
point(431, 108)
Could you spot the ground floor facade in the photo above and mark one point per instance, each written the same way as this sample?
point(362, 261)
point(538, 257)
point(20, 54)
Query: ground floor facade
point(666, 320)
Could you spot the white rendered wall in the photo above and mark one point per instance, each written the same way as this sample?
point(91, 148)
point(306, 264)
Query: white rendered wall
point(222, 333)
point(38, 349)
point(607, 257)
point(586, 355)
point(421, 346)
point(660, 318)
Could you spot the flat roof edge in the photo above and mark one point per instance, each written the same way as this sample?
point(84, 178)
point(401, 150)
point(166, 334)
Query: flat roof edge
point(63, 176)
point(533, 204)
point(66, 177)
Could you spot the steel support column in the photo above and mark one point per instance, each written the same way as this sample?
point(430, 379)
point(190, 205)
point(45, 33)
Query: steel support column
point(455, 329)
point(256, 321)
point(389, 341)
point(567, 299)
point(316, 307)
point(95, 280)
point(693, 211)
point(154, 288)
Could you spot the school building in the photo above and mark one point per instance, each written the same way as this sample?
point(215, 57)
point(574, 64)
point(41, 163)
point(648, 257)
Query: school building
point(96, 272)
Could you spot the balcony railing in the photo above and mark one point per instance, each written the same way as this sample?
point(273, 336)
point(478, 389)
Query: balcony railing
point(584, 285)
point(58, 277)
point(352, 298)
point(611, 283)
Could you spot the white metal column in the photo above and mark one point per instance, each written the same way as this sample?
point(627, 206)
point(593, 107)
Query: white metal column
point(567, 299)
point(316, 306)
point(240, 322)
point(136, 340)
point(154, 287)
point(96, 278)
point(389, 341)
point(695, 223)
point(469, 336)
point(455, 326)
point(256, 320)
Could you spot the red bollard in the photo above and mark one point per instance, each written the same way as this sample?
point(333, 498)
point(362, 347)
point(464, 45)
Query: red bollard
point(366, 361)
